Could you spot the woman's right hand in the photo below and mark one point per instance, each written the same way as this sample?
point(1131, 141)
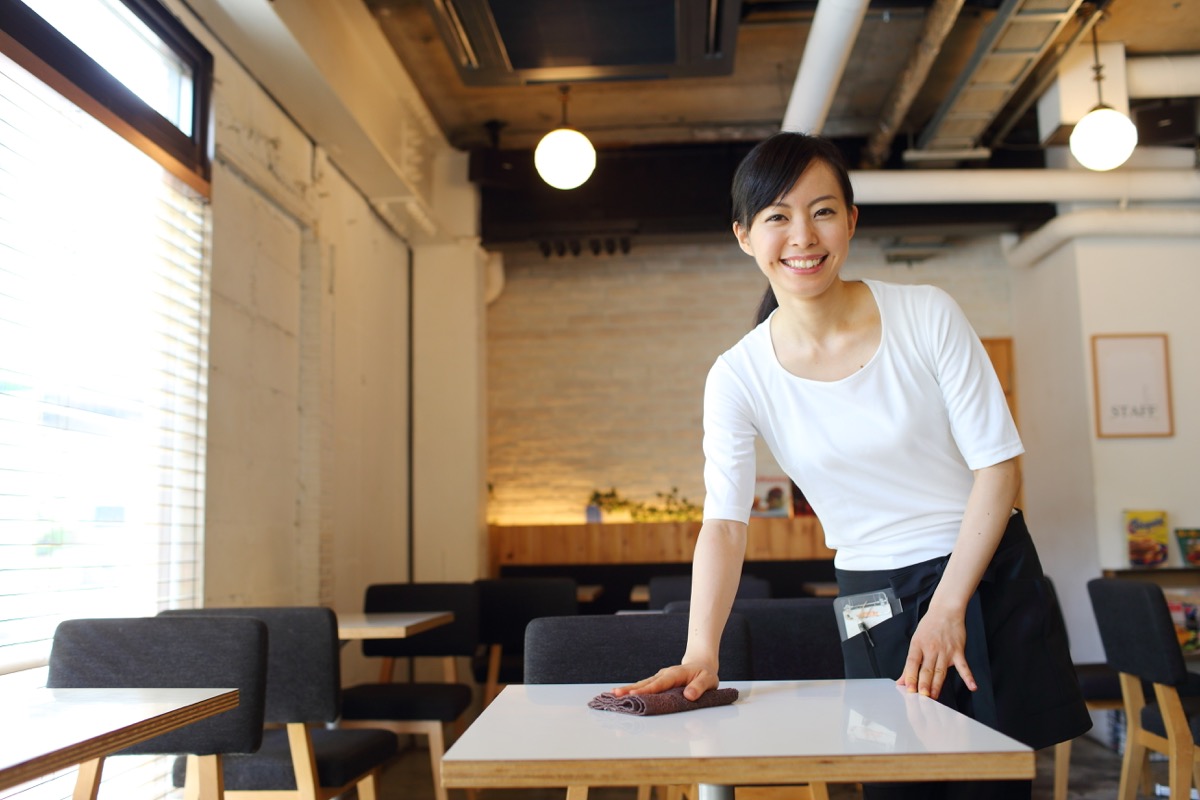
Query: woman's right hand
point(694, 677)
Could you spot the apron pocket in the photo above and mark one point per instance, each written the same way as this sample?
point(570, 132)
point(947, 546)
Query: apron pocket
point(881, 651)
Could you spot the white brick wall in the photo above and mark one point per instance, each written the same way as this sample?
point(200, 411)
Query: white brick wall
point(596, 364)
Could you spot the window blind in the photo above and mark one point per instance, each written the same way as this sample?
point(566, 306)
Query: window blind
point(103, 368)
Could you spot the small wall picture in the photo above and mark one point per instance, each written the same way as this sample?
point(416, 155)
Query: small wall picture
point(772, 497)
point(1146, 532)
point(1132, 380)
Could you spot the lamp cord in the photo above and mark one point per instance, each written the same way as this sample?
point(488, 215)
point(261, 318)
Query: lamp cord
point(1097, 68)
point(565, 90)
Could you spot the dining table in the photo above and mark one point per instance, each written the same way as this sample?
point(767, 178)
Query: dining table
point(389, 625)
point(47, 730)
point(775, 733)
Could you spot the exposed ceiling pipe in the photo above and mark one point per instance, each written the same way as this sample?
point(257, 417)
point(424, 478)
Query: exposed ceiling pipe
point(1156, 222)
point(1024, 186)
point(939, 20)
point(1162, 76)
point(826, 50)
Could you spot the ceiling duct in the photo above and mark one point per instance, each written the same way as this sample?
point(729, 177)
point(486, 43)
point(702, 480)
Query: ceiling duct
point(513, 42)
point(1010, 48)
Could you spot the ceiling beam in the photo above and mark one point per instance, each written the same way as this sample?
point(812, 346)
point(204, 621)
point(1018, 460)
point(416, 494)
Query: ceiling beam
point(939, 21)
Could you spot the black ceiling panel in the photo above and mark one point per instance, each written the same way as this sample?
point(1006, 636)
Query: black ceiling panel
point(509, 42)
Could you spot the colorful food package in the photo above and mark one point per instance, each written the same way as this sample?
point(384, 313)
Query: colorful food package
point(1189, 546)
point(1146, 532)
point(1185, 613)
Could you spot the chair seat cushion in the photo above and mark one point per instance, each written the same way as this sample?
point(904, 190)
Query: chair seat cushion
point(1098, 681)
point(1152, 719)
point(406, 701)
point(343, 755)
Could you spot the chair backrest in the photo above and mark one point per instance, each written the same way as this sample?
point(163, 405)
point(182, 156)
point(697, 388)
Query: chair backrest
point(791, 638)
point(459, 638)
point(163, 653)
point(1136, 630)
point(670, 588)
point(621, 648)
point(506, 605)
point(304, 677)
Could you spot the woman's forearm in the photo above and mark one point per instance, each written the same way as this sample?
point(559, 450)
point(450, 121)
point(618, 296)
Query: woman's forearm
point(989, 507)
point(716, 572)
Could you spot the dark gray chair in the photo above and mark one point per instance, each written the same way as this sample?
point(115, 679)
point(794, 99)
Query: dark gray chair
point(665, 589)
point(1101, 686)
point(162, 653)
point(506, 605)
point(420, 707)
point(305, 758)
point(791, 638)
point(622, 648)
point(1140, 643)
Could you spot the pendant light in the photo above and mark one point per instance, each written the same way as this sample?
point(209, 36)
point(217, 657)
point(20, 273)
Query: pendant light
point(564, 157)
point(1105, 138)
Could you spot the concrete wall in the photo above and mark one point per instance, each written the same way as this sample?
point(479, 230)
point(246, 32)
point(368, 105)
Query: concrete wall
point(308, 450)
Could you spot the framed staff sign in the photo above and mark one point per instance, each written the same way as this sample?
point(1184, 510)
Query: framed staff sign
point(1132, 378)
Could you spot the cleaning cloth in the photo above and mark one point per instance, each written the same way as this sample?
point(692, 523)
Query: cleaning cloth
point(669, 702)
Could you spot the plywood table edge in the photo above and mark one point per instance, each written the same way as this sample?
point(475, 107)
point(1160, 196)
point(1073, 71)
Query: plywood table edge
point(1019, 765)
point(114, 741)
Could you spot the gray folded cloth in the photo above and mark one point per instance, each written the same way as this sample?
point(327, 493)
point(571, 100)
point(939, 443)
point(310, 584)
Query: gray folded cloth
point(668, 702)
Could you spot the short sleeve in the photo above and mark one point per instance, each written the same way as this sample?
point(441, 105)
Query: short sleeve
point(729, 457)
point(980, 420)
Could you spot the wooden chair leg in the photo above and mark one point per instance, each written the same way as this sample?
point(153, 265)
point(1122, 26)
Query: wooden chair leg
point(820, 791)
point(577, 792)
point(204, 779)
point(368, 786)
point(304, 762)
point(437, 747)
point(1062, 769)
point(1132, 769)
point(87, 782)
point(645, 792)
point(492, 687)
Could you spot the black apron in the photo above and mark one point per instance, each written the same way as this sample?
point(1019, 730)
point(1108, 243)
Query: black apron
point(1016, 643)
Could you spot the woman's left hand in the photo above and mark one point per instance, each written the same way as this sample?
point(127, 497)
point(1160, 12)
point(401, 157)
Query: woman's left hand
point(938, 644)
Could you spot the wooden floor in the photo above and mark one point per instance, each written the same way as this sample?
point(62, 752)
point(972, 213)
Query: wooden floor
point(1095, 770)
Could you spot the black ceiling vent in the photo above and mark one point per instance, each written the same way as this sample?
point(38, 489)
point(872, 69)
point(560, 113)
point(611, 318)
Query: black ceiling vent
point(506, 42)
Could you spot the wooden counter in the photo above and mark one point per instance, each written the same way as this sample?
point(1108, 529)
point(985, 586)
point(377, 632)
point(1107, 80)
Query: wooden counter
point(770, 539)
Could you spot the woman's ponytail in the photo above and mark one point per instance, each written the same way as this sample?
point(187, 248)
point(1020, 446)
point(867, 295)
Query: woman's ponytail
point(765, 306)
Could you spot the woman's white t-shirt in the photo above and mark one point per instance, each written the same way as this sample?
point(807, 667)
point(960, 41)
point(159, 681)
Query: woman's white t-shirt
point(884, 456)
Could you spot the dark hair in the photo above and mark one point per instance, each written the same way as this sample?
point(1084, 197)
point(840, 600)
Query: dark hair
point(770, 170)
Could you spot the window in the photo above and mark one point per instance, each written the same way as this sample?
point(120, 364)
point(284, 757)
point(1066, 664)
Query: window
point(127, 62)
point(103, 353)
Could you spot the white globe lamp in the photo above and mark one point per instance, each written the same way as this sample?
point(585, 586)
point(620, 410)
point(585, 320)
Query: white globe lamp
point(1104, 139)
point(564, 157)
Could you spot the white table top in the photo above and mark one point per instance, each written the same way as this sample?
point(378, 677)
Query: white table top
point(45, 730)
point(395, 625)
point(778, 732)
